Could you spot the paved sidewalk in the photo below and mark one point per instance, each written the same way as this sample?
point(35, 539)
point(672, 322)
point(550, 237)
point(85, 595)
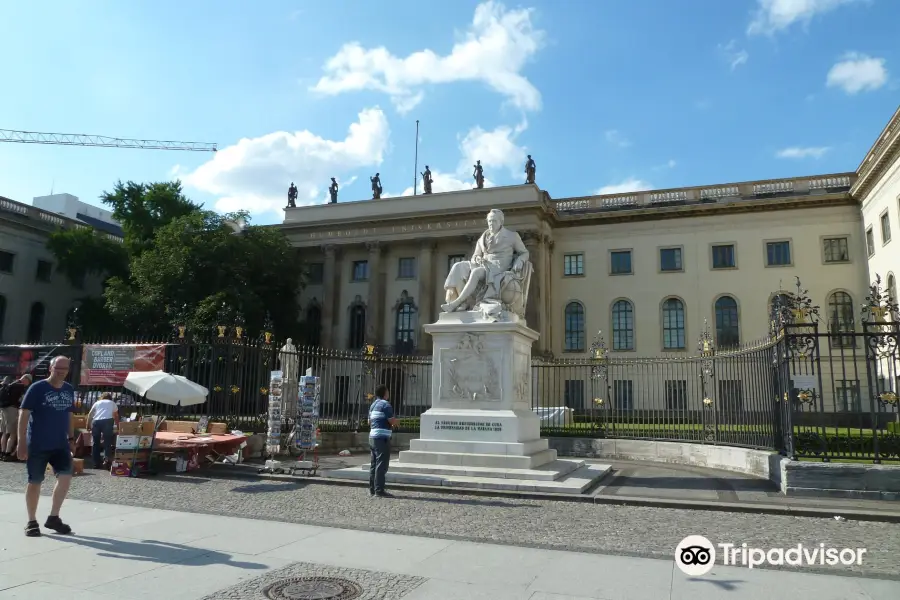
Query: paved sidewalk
point(136, 553)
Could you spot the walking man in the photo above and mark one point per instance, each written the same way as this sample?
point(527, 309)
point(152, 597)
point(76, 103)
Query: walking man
point(381, 420)
point(45, 428)
point(10, 397)
point(101, 422)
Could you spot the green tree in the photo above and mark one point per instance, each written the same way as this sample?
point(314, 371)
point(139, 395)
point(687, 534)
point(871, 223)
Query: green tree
point(198, 262)
point(142, 208)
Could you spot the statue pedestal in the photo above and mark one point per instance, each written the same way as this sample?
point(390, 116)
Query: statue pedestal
point(481, 431)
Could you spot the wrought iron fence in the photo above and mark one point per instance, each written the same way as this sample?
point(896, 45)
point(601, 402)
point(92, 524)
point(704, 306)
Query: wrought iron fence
point(807, 390)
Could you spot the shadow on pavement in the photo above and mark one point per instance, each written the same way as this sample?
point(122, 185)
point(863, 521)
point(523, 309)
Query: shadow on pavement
point(157, 552)
point(268, 487)
point(729, 585)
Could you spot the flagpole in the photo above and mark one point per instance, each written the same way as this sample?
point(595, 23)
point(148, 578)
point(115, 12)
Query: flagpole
point(416, 169)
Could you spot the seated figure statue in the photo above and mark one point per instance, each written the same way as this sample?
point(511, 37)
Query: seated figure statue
point(497, 277)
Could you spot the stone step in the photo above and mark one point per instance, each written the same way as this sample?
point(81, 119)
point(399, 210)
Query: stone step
point(577, 482)
point(549, 472)
point(461, 459)
point(501, 448)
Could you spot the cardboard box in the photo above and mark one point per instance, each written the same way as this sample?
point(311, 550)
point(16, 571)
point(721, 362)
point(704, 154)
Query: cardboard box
point(127, 442)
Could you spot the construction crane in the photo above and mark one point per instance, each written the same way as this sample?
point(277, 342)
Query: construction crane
point(83, 139)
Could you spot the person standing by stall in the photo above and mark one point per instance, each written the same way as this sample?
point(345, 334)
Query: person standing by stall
point(101, 422)
point(10, 396)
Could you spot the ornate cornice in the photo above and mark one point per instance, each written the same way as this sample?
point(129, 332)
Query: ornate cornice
point(883, 153)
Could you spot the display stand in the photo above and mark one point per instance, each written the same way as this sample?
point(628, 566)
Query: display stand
point(134, 448)
point(306, 433)
point(273, 440)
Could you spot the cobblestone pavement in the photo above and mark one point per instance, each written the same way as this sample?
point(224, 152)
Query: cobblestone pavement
point(611, 529)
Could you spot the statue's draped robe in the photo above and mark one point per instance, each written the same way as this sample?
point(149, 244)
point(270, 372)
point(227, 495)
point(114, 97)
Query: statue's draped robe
point(498, 254)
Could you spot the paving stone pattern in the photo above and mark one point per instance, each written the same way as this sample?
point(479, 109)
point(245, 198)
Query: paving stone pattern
point(601, 528)
point(373, 585)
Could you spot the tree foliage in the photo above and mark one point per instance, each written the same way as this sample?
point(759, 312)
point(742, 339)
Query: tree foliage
point(180, 263)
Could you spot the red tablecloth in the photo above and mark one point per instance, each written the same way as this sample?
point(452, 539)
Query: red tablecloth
point(169, 441)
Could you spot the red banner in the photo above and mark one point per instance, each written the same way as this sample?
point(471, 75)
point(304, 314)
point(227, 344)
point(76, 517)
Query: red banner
point(105, 364)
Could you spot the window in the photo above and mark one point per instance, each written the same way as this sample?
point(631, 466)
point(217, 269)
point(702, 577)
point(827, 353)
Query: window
point(870, 241)
point(405, 328)
point(673, 324)
point(846, 392)
point(406, 268)
point(360, 270)
point(892, 288)
point(836, 250)
point(2, 315)
point(670, 259)
point(573, 264)
point(574, 393)
point(723, 256)
point(574, 327)
point(620, 262)
point(623, 325)
point(453, 259)
point(316, 273)
point(44, 270)
point(357, 327)
point(36, 322)
point(623, 394)
point(676, 394)
point(840, 319)
point(885, 228)
point(731, 398)
point(7, 261)
point(778, 254)
point(728, 332)
point(314, 325)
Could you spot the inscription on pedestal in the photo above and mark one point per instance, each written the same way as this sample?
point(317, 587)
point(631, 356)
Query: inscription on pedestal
point(468, 426)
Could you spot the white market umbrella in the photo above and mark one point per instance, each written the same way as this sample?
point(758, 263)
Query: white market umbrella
point(166, 388)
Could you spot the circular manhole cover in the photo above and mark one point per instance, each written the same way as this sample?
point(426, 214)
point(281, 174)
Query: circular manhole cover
point(313, 588)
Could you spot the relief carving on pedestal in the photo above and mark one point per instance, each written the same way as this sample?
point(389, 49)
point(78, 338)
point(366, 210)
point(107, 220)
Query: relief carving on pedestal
point(469, 372)
point(522, 376)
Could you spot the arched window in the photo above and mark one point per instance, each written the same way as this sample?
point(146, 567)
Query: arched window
point(728, 332)
point(574, 327)
point(357, 327)
point(405, 328)
point(314, 325)
point(673, 324)
point(840, 318)
point(623, 325)
point(36, 323)
point(2, 315)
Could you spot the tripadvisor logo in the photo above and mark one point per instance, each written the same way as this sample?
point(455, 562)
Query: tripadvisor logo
point(695, 555)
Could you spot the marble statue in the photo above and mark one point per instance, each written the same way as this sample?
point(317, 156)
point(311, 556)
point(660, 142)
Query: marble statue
point(427, 180)
point(290, 366)
point(333, 190)
point(530, 170)
point(478, 174)
point(376, 186)
point(497, 277)
point(292, 196)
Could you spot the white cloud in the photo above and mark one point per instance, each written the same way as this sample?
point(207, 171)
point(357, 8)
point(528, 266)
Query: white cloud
point(798, 152)
point(617, 139)
point(857, 72)
point(254, 173)
point(772, 16)
point(670, 164)
point(733, 55)
point(496, 149)
point(629, 185)
point(495, 49)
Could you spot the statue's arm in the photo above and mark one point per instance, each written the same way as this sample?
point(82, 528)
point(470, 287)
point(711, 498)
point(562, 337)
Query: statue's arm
point(478, 252)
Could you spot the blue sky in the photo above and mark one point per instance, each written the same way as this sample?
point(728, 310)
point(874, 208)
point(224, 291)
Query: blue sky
point(607, 95)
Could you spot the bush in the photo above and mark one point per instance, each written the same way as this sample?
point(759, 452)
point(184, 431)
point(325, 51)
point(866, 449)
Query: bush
point(810, 443)
point(893, 428)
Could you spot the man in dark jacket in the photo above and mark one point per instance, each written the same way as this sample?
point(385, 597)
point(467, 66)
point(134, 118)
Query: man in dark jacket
point(10, 398)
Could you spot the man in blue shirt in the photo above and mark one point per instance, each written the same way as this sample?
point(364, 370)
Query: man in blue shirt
point(45, 426)
point(381, 420)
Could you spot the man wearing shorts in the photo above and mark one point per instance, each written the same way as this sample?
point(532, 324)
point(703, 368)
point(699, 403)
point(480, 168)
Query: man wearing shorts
point(45, 425)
